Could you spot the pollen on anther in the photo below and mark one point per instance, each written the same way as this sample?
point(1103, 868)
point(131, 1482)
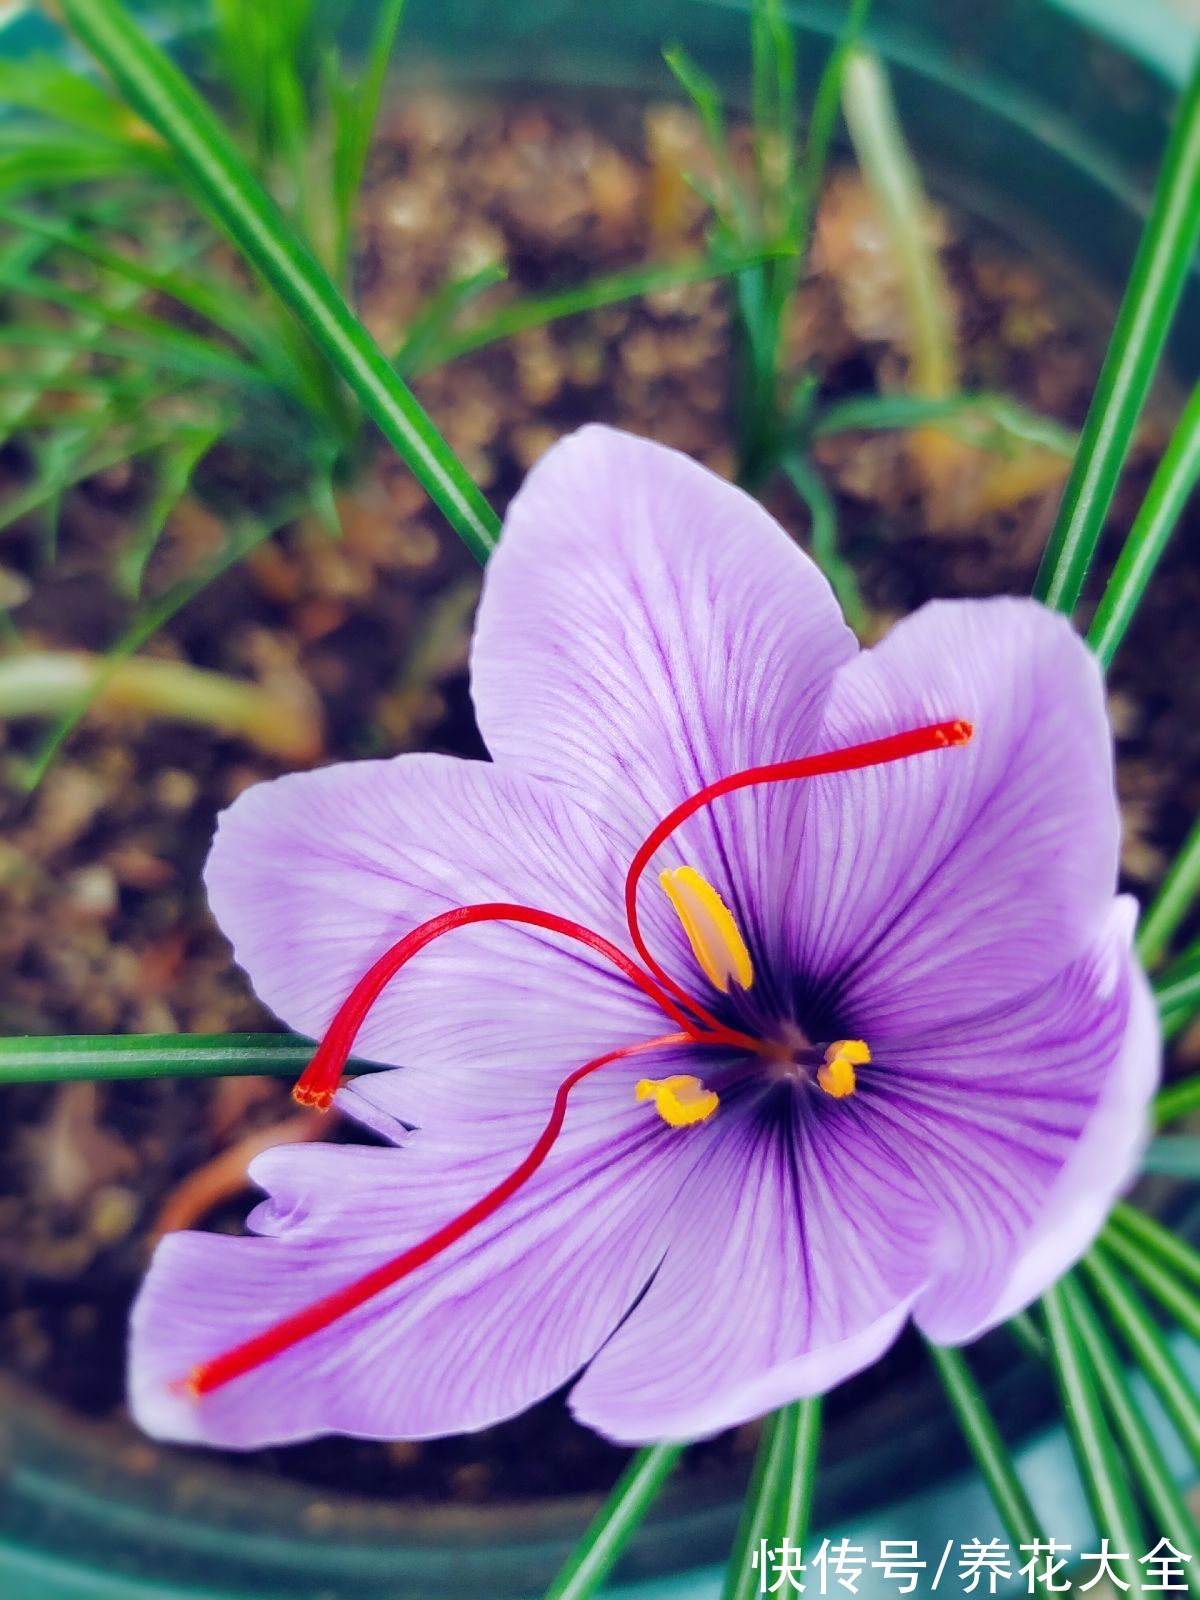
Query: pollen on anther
point(837, 1076)
point(681, 1100)
point(711, 928)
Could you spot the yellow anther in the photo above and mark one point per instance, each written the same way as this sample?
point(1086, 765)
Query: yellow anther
point(837, 1076)
point(708, 922)
point(680, 1100)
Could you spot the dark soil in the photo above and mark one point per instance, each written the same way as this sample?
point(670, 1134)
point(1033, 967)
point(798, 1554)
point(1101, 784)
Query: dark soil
point(103, 926)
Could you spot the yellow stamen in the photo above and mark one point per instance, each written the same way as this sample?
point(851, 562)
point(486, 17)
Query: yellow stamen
point(712, 932)
point(680, 1100)
point(837, 1076)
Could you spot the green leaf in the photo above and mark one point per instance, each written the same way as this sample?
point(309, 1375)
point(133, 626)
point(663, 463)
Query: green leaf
point(1166, 499)
point(826, 105)
point(1158, 1279)
point(779, 1500)
point(992, 1456)
point(1156, 281)
point(159, 93)
point(536, 311)
point(1178, 988)
point(1142, 1334)
point(173, 469)
point(1152, 1238)
point(72, 1057)
point(811, 488)
point(243, 539)
point(1170, 1517)
point(990, 421)
point(1177, 1100)
point(356, 124)
point(1176, 895)
point(1099, 1461)
point(615, 1523)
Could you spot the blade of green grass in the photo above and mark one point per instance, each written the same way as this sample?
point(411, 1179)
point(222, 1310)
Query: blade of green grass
point(1178, 988)
point(1008, 421)
point(992, 1455)
point(1170, 490)
point(1156, 281)
point(1099, 1461)
point(779, 1500)
point(1144, 1338)
point(826, 104)
point(174, 467)
point(355, 126)
point(1158, 1280)
point(243, 539)
point(1163, 1243)
point(811, 488)
point(71, 1057)
point(615, 1523)
point(1176, 895)
point(1168, 1512)
point(536, 311)
point(159, 93)
point(1177, 1100)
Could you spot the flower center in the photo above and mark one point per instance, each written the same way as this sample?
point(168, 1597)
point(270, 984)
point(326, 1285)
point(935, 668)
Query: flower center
point(681, 1100)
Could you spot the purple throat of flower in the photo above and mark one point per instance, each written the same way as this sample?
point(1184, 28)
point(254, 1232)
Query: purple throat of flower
point(681, 1100)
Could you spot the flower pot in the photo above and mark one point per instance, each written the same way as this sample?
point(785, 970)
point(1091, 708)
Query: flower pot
point(1045, 119)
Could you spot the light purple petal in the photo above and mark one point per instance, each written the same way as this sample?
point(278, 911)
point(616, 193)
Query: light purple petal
point(1033, 1122)
point(503, 1318)
point(314, 875)
point(937, 886)
point(796, 1250)
point(647, 628)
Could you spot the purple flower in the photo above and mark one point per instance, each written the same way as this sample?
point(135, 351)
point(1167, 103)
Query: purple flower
point(911, 1052)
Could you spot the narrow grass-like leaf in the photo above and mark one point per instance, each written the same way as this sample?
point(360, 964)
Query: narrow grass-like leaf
point(167, 337)
point(826, 105)
point(1163, 1243)
point(71, 1057)
point(811, 488)
point(1178, 988)
point(1170, 490)
point(244, 539)
point(356, 124)
point(537, 311)
point(992, 1455)
point(1177, 1100)
point(1099, 1461)
point(435, 318)
point(1142, 1334)
point(1169, 1514)
point(1006, 422)
point(159, 92)
point(173, 469)
point(1160, 270)
point(615, 1523)
point(1176, 896)
point(1159, 1280)
point(779, 1500)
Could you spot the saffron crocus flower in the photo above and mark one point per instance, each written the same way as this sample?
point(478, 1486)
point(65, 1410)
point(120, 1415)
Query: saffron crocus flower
point(761, 994)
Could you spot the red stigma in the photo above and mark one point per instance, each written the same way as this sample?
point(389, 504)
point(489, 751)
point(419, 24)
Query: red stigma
point(874, 753)
point(281, 1336)
point(696, 1025)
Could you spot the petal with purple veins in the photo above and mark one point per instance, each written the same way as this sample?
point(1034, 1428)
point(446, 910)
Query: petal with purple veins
point(938, 886)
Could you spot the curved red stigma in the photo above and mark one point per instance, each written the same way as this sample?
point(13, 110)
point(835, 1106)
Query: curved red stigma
point(282, 1335)
point(874, 753)
point(319, 1080)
